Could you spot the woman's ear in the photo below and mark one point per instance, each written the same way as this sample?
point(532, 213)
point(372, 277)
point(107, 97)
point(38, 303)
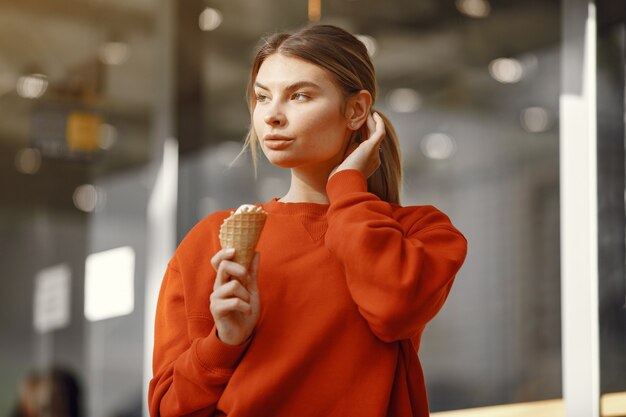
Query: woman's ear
point(357, 109)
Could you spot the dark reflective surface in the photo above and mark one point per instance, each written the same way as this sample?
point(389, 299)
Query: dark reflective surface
point(611, 225)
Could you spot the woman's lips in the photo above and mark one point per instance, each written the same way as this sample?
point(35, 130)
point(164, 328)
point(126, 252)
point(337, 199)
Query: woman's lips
point(277, 141)
point(277, 144)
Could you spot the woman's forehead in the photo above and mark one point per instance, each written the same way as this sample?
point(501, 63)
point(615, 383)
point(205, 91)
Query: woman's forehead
point(280, 71)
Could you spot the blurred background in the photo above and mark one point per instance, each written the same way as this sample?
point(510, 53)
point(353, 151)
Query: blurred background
point(118, 122)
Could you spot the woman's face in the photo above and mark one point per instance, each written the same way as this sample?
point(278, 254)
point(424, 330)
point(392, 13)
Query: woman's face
point(297, 116)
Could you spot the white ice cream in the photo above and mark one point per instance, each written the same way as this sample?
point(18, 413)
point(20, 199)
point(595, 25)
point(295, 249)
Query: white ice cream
point(248, 208)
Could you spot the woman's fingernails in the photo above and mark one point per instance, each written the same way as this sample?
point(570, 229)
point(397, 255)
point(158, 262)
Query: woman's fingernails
point(230, 251)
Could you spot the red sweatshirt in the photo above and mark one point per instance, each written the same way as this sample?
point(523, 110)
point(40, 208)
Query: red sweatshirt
point(346, 290)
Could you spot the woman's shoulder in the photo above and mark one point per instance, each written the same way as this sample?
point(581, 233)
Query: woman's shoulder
point(415, 218)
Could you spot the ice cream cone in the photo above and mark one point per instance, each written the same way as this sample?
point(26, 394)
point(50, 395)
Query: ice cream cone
point(241, 230)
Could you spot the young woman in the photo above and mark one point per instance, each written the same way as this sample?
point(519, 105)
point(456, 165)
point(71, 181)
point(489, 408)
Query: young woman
point(328, 319)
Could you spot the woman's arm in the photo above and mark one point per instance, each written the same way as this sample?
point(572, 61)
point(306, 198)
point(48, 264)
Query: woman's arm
point(189, 375)
point(399, 272)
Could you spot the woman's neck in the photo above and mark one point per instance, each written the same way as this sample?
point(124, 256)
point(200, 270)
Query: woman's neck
point(307, 186)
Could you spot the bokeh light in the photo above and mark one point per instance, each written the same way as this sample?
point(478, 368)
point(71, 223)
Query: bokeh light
point(438, 146)
point(535, 119)
point(210, 19)
point(370, 44)
point(32, 85)
point(404, 100)
point(474, 8)
point(89, 198)
point(114, 53)
point(28, 161)
point(506, 70)
point(108, 136)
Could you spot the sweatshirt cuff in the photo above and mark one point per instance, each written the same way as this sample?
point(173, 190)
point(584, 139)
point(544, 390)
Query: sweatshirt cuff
point(345, 181)
point(215, 355)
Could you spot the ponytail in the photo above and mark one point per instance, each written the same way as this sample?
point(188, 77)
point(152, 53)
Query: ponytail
point(386, 181)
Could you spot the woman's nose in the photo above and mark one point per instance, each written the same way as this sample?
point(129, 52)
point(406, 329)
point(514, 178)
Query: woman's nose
point(275, 118)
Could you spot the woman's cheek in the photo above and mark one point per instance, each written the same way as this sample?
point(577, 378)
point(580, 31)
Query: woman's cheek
point(318, 119)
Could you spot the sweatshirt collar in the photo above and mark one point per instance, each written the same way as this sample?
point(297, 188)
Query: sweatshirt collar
point(298, 208)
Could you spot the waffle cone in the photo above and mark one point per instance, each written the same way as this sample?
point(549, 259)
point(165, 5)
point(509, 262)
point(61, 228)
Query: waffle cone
point(242, 231)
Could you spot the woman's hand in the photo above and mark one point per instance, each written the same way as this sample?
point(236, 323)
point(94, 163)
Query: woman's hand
point(365, 156)
point(235, 302)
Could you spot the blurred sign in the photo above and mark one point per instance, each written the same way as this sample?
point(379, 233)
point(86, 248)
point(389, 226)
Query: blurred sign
point(110, 283)
point(52, 298)
point(83, 131)
point(64, 132)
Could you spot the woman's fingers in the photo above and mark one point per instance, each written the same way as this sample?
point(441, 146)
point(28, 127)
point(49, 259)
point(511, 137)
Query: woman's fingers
point(222, 254)
point(365, 156)
point(232, 289)
point(230, 297)
point(234, 303)
point(377, 131)
point(227, 269)
point(371, 125)
point(233, 296)
point(225, 307)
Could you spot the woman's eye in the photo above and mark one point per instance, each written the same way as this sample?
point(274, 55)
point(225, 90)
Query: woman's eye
point(300, 96)
point(261, 97)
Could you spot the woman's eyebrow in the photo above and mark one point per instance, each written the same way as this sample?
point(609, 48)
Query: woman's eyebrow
point(291, 87)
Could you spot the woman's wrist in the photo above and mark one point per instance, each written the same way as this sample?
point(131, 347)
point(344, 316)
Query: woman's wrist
point(230, 342)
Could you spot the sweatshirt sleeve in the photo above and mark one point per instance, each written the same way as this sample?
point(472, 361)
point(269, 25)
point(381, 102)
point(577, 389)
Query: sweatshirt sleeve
point(399, 272)
point(189, 375)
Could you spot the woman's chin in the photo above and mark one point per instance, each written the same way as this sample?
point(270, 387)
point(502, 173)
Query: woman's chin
point(283, 161)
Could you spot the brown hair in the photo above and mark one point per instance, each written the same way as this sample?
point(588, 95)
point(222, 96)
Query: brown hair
point(346, 58)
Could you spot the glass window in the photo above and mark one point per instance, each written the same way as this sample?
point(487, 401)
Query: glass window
point(77, 98)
